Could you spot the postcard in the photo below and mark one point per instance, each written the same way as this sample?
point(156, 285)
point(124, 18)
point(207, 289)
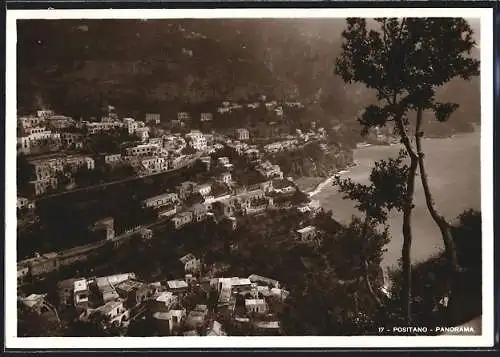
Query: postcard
point(249, 178)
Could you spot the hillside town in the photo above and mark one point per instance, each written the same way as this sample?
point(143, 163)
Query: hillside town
point(246, 177)
point(63, 153)
point(236, 178)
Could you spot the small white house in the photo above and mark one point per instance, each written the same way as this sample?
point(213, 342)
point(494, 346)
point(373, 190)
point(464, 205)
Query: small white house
point(307, 234)
point(258, 306)
point(205, 189)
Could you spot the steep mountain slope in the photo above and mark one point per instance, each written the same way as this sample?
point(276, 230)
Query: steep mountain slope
point(159, 65)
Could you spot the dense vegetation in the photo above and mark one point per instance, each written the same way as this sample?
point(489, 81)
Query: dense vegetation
point(312, 160)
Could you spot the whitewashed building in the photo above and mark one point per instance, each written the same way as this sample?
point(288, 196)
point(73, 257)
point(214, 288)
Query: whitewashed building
point(143, 150)
point(197, 140)
point(153, 118)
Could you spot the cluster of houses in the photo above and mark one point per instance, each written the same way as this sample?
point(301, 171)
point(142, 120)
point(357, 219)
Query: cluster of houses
point(114, 302)
point(44, 133)
point(103, 231)
point(295, 142)
point(166, 152)
point(148, 155)
point(222, 206)
point(290, 142)
point(41, 132)
point(175, 207)
point(227, 106)
point(227, 208)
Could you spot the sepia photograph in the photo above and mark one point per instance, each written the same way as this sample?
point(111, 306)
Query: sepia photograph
point(249, 178)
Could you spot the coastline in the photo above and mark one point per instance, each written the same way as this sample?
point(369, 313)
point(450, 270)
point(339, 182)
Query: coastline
point(315, 190)
point(454, 192)
point(319, 187)
point(360, 146)
point(328, 181)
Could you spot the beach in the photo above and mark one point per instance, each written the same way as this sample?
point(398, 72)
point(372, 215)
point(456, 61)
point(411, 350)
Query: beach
point(453, 166)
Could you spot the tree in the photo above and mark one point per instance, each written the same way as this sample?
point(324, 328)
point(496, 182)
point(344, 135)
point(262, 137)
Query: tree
point(386, 191)
point(31, 324)
point(467, 236)
point(405, 61)
point(427, 277)
point(188, 150)
point(63, 177)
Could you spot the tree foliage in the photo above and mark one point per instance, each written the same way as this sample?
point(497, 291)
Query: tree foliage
point(405, 61)
point(428, 276)
point(386, 192)
point(467, 233)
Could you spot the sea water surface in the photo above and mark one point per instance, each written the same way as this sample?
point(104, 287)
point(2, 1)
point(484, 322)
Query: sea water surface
point(453, 167)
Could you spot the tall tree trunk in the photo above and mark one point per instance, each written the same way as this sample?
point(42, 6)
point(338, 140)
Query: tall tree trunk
point(440, 221)
point(369, 284)
point(444, 227)
point(407, 211)
point(407, 238)
point(364, 267)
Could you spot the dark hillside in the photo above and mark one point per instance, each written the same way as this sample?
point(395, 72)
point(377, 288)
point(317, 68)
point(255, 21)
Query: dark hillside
point(160, 65)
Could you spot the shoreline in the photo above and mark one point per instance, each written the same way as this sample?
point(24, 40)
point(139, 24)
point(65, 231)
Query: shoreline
point(447, 178)
point(360, 146)
point(327, 181)
point(319, 187)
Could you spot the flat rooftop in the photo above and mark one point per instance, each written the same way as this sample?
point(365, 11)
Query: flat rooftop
point(143, 146)
point(114, 279)
point(80, 285)
point(254, 302)
point(130, 285)
point(177, 284)
point(55, 156)
point(162, 196)
point(255, 277)
point(165, 296)
point(109, 306)
point(267, 324)
point(32, 300)
point(306, 229)
point(186, 258)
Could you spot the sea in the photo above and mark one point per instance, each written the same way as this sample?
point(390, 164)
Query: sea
point(453, 167)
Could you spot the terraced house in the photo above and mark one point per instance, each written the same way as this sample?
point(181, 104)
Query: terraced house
point(152, 118)
point(45, 169)
point(143, 150)
point(161, 200)
point(31, 138)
